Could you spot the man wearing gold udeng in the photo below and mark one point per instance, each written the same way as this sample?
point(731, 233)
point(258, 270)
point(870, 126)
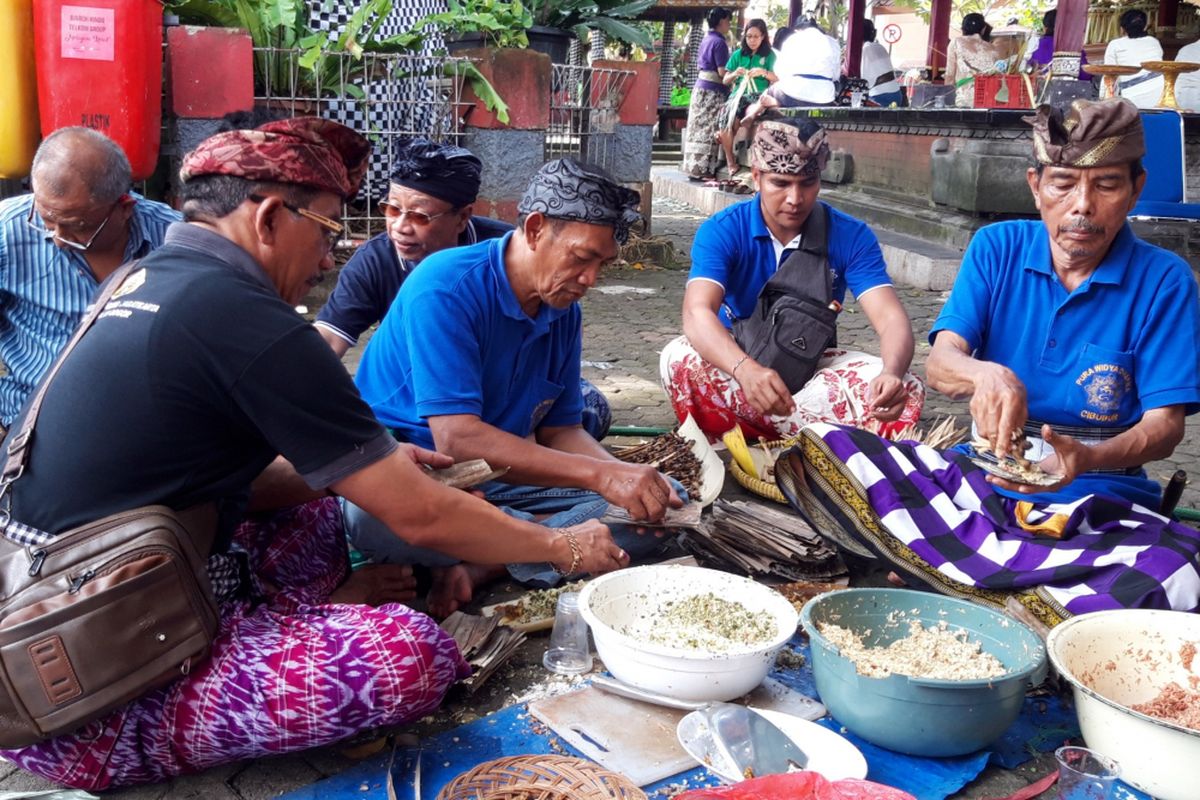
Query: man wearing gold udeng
point(1077, 345)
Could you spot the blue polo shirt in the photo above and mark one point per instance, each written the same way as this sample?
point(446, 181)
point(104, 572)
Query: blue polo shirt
point(457, 342)
point(1127, 340)
point(733, 249)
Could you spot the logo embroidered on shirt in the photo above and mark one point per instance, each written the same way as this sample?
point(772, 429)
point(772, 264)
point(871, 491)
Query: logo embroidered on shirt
point(1104, 386)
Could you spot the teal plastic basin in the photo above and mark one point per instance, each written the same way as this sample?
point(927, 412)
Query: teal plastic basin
point(920, 716)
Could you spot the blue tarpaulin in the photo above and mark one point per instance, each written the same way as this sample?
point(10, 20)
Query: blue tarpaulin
point(1045, 723)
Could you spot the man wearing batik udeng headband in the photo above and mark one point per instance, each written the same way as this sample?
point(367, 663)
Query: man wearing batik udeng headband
point(710, 375)
point(479, 358)
point(196, 376)
point(1081, 336)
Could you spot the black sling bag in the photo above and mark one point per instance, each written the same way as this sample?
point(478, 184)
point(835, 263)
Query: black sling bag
point(793, 322)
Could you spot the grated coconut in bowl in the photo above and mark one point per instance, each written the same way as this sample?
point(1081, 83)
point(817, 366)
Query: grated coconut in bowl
point(933, 652)
point(707, 623)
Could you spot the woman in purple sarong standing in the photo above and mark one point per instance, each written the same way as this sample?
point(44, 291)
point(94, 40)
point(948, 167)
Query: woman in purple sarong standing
point(701, 150)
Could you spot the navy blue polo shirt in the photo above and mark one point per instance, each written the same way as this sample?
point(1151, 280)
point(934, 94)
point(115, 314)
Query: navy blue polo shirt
point(372, 278)
point(733, 249)
point(1126, 341)
point(457, 342)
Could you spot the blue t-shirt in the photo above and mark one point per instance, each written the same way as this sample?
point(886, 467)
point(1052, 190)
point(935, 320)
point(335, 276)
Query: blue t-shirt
point(372, 277)
point(457, 342)
point(733, 249)
point(1124, 342)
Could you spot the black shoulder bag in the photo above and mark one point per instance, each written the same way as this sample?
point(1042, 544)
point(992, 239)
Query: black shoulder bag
point(793, 323)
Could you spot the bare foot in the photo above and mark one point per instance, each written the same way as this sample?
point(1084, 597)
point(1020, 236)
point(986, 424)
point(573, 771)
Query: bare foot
point(896, 580)
point(453, 586)
point(376, 584)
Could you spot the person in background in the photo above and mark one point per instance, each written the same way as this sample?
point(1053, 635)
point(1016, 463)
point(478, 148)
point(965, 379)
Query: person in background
point(706, 111)
point(1043, 54)
point(1144, 88)
point(780, 37)
point(81, 221)
point(749, 71)
point(969, 55)
point(877, 70)
point(1187, 87)
point(808, 67)
point(429, 207)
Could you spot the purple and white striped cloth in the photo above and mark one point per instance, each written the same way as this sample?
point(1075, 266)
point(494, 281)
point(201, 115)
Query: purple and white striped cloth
point(938, 506)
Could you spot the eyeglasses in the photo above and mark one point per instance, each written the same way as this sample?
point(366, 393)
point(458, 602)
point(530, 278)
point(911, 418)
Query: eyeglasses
point(54, 235)
point(418, 218)
point(334, 230)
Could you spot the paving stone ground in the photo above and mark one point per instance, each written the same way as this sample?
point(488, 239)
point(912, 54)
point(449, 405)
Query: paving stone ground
point(627, 319)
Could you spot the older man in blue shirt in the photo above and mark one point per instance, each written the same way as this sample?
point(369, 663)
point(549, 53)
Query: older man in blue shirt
point(479, 357)
point(1079, 348)
point(58, 243)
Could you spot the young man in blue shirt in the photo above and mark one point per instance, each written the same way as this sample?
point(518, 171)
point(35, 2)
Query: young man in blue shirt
point(1079, 348)
point(431, 195)
point(479, 358)
point(708, 375)
point(58, 243)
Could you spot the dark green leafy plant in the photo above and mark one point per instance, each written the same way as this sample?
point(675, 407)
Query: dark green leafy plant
point(582, 16)
point(503, 23)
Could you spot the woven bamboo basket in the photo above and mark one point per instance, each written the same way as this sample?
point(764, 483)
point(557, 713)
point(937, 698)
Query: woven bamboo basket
point(755, 484)
point(546, 777)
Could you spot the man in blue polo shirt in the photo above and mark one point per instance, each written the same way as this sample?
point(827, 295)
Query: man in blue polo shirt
point(1079, 348)
point(479, 358)
point(429, 207)
point(711, 376)
point(58, 243)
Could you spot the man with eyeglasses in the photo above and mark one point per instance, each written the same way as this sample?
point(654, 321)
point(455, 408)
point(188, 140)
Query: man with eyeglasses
point(429, 208)
point(80, 222)
point(200, 383)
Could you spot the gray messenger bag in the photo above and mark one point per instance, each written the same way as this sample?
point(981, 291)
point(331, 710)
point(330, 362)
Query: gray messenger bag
point(793, 322)
point(96, 616)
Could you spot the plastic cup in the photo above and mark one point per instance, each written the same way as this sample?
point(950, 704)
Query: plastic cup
point(856, 99)
point(568, 653)
point(1084, 774)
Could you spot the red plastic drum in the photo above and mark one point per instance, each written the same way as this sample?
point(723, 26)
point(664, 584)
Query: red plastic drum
point(99, 64)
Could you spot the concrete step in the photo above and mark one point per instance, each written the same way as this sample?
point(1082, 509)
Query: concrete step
point(916, 217)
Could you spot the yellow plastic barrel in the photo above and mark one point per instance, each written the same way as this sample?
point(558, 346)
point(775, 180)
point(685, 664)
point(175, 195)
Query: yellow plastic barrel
point(19, 130)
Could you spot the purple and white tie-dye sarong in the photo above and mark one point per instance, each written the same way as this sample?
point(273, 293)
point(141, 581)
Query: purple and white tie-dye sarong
point(934, 517)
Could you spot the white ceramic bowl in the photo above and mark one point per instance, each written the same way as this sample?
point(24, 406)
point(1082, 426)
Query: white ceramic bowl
point(1116, 659)
point(620, 601)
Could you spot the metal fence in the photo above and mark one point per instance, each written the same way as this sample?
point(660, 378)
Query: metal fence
point(385, 96)
point(584, 118)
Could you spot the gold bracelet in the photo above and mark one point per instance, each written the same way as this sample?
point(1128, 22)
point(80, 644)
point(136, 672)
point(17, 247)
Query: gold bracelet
point(576, 554)
point(733, 371)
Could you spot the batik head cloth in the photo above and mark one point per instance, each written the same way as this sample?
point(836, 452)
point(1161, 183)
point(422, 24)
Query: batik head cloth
point(567, 189)
point(443, 171)
point(306, 151)
point(1093, 133)
point(779, 147)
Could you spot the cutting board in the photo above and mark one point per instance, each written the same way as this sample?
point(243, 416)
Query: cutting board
point(627, 736)
point(638, 739)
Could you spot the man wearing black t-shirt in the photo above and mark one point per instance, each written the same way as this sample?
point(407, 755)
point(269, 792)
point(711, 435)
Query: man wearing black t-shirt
point(196, 378)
